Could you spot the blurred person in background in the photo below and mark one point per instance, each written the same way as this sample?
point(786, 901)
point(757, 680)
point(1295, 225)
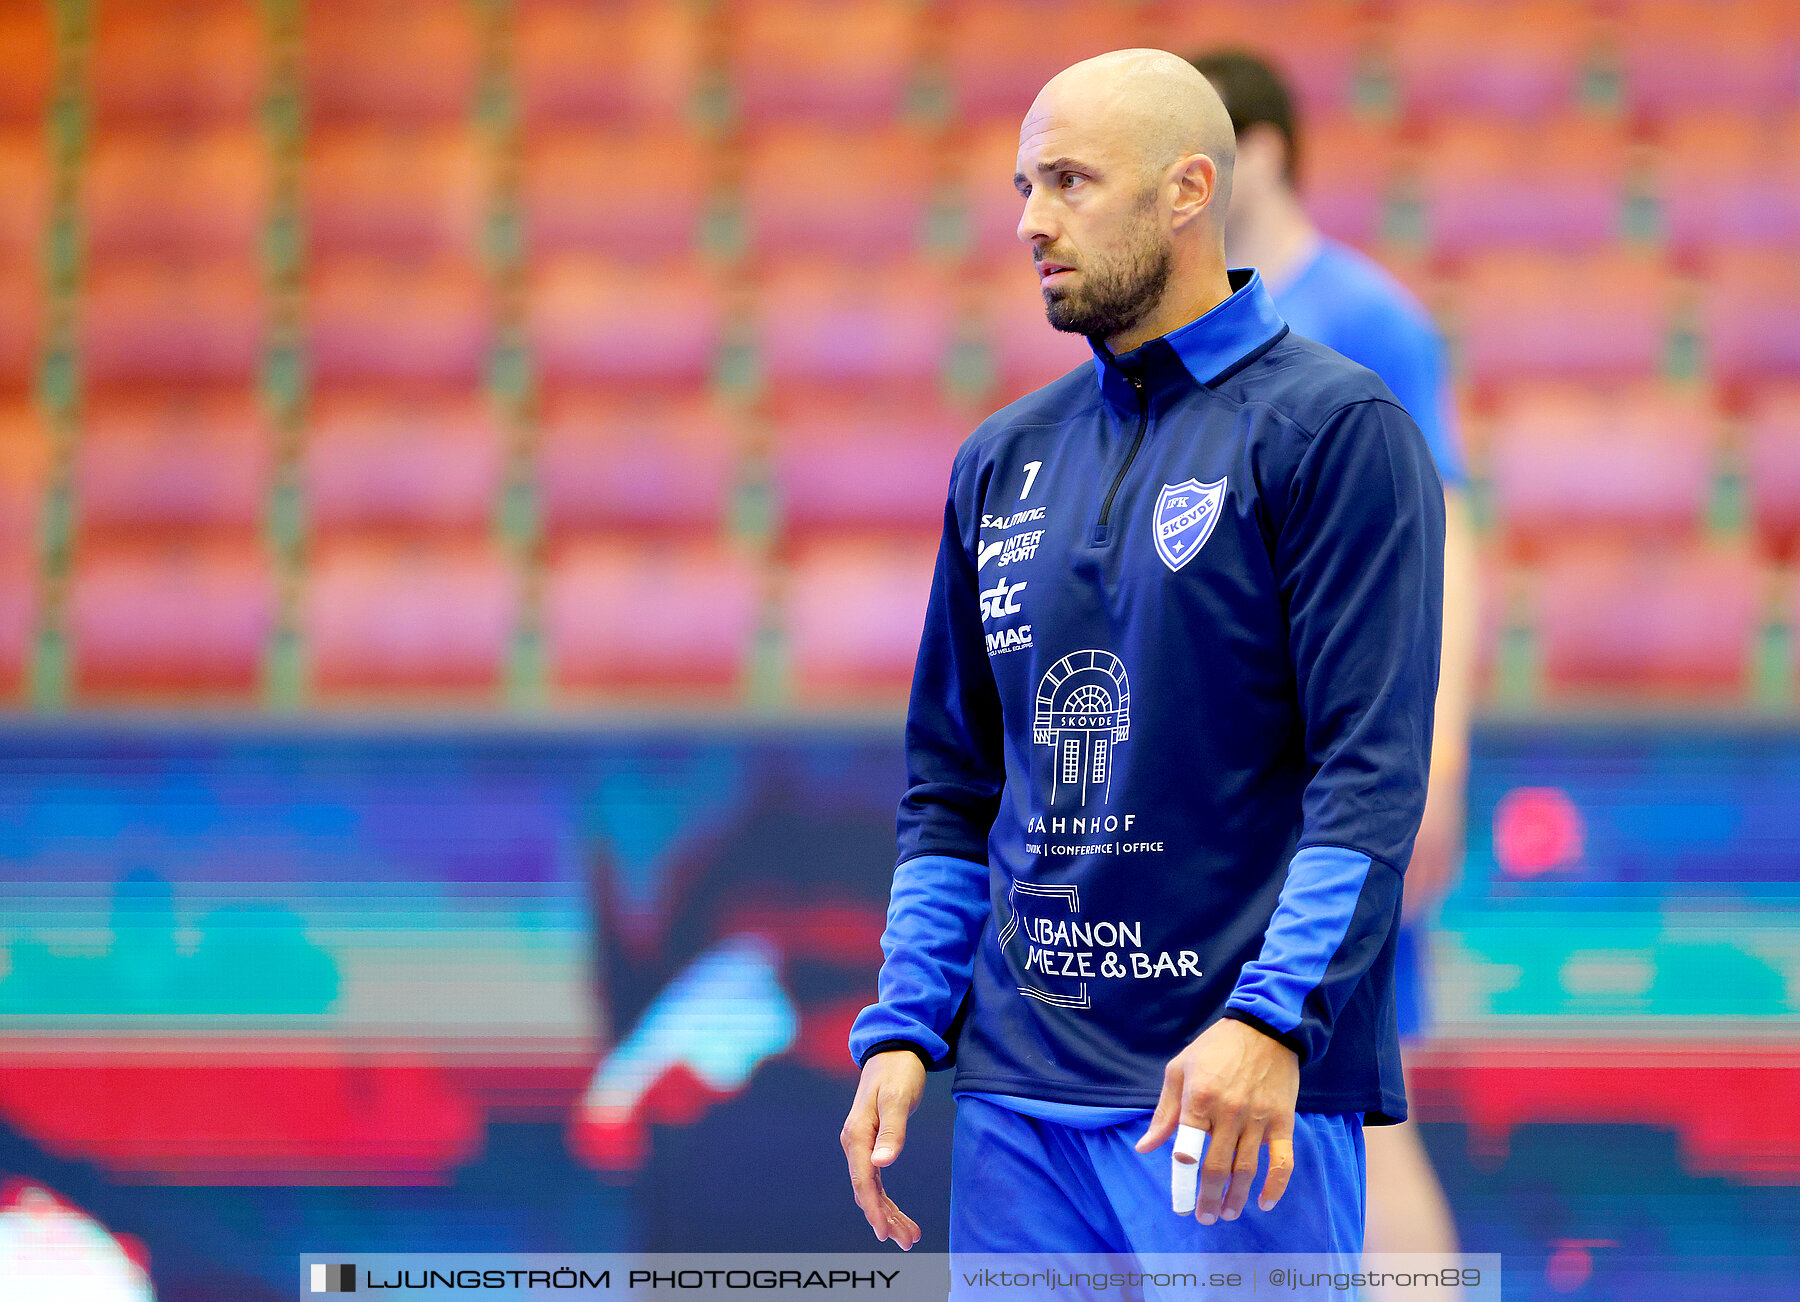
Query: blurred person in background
point(1338, 296)
point(1167, 762)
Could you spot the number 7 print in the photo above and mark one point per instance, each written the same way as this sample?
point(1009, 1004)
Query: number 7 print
point(1031, 469)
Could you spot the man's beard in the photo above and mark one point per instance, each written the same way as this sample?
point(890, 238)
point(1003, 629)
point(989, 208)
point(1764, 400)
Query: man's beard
point(1114, 297)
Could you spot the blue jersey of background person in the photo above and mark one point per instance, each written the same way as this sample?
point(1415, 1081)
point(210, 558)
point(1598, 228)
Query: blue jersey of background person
point(1342, 298)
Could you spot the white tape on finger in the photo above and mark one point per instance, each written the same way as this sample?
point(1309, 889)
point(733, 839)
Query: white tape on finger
point(1184, 1169)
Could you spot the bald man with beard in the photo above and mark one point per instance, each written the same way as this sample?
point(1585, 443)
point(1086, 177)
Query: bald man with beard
point(1168, 738)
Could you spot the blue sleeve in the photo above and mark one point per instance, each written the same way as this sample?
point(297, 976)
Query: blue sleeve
point(1405, 350)
point(935, 915)
point(954, 763)
point(1360, 564)
point(955, 771)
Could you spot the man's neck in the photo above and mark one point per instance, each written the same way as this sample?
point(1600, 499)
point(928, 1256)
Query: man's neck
point(1188, 299)
point(1275, 237)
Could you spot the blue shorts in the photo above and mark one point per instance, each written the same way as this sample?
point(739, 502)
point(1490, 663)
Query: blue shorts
point(1018, 1184)
point(1412, 964)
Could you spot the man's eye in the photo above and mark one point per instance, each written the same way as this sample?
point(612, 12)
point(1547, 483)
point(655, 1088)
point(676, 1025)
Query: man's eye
point(1069, 179)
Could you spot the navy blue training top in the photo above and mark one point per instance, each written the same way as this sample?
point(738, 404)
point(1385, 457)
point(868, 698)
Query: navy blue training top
point(1170, 724)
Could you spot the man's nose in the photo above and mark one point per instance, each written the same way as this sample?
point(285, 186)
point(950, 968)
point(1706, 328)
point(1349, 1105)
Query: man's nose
point(1035, 226)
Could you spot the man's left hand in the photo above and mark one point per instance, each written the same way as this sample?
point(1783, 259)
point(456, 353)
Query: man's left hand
point(1239, 1086)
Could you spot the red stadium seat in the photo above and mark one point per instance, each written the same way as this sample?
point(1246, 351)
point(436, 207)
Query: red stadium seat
point(21, 321)
point(25, 181)
point(1725, 54)
point(1512, 58)
point(1348, 171)
point(1569, 459)
point(395, 189)
point(640, 59)
point(841, 61)
point(377, 319)
point(155, 320)
point(1316, 44)
point(596, 319)
point(643, 191)
point(1751, 310)
point(859, 192)
point(1470, 172)
point(623, 615)
point(24, 471)
point(172, 459)
point(1538, 314)
point(619, 461)
point(1654, 621)
point(27, 52)
point(187, 193)
point(203, 62)
point(399, 460)
point(1772, 450)
point(888, 322)
point(845, 464)
point(1027, 352)
point(383, 616)
point(170, 615)
point(1000, 53)
point(855, 612)
point(1725, 179)
point(19, 580)
point(395, 59)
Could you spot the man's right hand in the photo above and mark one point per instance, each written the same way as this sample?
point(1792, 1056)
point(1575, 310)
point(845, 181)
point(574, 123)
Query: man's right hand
point(874, 1133)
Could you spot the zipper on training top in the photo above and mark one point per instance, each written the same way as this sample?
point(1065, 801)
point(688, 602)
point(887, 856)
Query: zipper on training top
point(1137, 387)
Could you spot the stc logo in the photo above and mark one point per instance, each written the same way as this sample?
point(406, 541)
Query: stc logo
point(1001, 600)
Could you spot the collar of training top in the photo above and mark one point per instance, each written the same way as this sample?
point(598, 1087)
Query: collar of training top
point(1204, 351)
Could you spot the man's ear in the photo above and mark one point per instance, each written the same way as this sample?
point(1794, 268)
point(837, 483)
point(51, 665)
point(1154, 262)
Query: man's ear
point(1196, 180)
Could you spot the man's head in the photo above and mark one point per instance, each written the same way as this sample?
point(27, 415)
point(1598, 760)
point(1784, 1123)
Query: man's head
point(1262, 115)
point(1125, 165)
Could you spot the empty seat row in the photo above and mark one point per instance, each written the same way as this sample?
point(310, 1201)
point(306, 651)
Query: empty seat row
point(211, 61)
point(1517, 58)
point(862, 61)
point(195, 616)
point(1711, 180)
point(1638, 460)
point(149, 320)
point(1515, 314)
point(1676, 621)
point(388, 618)
point(1717, 180)
point(416, 60)
point(1563, 459)
point(1525, 58)
point(857, 62)
point(1616, 315)
point(394, 460)
point(434, 461)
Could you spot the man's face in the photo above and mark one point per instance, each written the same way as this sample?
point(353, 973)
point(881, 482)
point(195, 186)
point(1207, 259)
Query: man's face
point(1093, 217)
